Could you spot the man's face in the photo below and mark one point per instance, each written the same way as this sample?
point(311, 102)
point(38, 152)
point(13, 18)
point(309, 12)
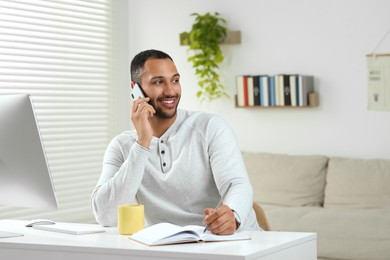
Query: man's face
point(161, 83)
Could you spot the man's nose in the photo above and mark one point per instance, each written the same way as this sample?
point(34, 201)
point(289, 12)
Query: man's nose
point(169, 89)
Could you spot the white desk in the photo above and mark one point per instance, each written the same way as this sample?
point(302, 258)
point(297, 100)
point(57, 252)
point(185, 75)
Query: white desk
point(45, 245)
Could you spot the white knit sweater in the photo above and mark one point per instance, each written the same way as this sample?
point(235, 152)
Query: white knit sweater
point(183, 172)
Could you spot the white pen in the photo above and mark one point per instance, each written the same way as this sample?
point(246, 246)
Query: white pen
point(219, 203)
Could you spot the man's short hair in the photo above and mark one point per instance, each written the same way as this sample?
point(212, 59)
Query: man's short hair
point(138, 62)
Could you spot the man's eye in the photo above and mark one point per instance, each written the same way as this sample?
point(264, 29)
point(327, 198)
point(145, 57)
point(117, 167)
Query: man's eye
point(175, 81)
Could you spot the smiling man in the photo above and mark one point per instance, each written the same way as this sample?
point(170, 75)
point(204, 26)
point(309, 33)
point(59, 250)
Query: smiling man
point(177, 163)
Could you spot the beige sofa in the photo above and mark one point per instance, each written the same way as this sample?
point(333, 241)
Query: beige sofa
point(346, 201)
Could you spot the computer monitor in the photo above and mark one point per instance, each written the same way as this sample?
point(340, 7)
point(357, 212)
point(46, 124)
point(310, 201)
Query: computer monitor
point(25, 179)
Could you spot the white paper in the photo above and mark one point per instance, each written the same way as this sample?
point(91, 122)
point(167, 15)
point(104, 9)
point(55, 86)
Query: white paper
point(378, 77)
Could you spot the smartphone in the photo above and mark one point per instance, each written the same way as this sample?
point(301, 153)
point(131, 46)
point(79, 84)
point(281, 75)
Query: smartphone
point(136, 92)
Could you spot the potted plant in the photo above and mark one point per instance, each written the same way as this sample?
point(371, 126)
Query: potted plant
point(207, 33)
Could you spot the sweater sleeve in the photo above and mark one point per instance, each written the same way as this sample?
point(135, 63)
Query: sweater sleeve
point(119, 181)
point(228, 166)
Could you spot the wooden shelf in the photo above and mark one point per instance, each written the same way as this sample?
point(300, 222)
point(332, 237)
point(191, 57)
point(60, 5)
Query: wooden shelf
point(233, 37)
point(313, 100)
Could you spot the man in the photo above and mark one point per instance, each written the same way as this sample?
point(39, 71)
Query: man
point(177, 163)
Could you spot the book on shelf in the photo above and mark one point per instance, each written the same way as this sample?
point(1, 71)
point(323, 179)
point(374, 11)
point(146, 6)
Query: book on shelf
point(256, 90)
point(272, 91)
point(305, 86)
point(279, 93)
point(249, 83)
point(167, 234)
point(264, 90)
point(294, 90)
point(242, 91)
point(286, 90)
point(277, 90)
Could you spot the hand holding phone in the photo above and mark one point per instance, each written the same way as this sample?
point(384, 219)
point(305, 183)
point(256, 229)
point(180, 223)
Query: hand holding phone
point(136, 92)
point(141, 113)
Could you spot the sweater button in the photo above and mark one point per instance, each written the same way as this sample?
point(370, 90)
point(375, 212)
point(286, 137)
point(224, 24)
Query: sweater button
point(164, 164)
point(162, 152)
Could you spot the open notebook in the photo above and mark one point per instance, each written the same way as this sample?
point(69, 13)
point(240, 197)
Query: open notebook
point(71, 228)
point(166, 233)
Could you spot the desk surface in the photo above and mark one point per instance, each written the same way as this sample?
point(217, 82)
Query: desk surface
point(52, 245)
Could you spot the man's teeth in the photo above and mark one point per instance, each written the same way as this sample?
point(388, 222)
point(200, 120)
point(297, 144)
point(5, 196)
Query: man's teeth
point(167, 101)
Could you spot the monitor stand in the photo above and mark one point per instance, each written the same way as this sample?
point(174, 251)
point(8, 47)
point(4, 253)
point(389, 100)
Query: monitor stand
point(6, 234)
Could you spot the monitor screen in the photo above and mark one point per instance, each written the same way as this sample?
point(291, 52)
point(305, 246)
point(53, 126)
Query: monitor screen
point(25, 179)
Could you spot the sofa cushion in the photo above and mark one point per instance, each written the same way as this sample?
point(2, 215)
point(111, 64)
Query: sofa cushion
point(286, 180)
point(353, 234)
point(357, 183)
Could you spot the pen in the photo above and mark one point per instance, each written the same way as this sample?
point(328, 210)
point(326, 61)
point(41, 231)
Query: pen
point(219, 203)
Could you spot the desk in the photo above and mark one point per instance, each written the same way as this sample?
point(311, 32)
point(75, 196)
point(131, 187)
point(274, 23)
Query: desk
point(45, 245)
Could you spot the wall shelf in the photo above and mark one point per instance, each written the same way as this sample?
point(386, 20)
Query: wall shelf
point(313, 100)
point(233, 37)
point(276, 91)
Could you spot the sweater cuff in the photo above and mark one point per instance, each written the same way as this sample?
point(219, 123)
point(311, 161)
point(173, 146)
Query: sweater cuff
point(143, 148)
point(238, 219)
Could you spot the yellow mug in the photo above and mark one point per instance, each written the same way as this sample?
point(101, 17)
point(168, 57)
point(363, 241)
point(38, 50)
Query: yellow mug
point(130, 218)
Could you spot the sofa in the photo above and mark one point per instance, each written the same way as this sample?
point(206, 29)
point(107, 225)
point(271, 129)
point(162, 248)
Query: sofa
point(346, 201)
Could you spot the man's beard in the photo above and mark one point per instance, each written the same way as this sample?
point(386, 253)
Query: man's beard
point(160, 113)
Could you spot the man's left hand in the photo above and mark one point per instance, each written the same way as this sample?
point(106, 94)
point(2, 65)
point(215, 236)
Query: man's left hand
point(220, 221)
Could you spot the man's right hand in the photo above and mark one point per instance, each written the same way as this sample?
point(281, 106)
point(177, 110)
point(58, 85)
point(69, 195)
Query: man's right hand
point(140, 114)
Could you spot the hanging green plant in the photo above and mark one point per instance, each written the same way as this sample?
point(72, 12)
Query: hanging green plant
point(207, 33)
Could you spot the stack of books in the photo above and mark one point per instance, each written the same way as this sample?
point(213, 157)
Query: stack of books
point(274, 91)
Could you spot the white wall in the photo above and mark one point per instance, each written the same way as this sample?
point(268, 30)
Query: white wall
point(120, 64)
point(327, 39)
